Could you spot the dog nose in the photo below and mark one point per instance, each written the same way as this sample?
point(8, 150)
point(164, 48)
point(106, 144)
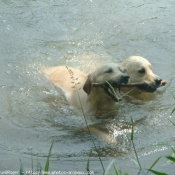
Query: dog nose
point(125, 78)
point(158, 81)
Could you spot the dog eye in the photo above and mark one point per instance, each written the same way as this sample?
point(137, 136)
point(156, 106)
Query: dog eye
point(110, 70)
point(141, 71)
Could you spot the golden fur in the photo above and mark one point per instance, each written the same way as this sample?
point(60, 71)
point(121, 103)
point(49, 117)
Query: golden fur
point(78, 88)
point(77, 85)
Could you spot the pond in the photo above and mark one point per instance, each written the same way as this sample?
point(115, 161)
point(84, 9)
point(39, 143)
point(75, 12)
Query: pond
point(83, 34)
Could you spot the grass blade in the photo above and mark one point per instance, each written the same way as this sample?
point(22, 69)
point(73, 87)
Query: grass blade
point(116, 171)
point(32, 160)
point(174, 108)
point(170, 158)
point(112, 89)
point(172, 111)
point(90, 133)
point(48, 160)
point(125, 94)
point(173, 149)
point(88, 166)
point(132, 140)
point(111, 163)
point(132, 129)
point(117, 97)
point(156, 172)
point(171, 121)
point(173, 96)
point(135, 162)
point(155, 162)
point(21, 170)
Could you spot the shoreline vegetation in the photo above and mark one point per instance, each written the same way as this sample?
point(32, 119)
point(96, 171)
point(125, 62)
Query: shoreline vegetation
point(117, 171)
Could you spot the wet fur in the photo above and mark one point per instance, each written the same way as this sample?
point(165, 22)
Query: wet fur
point(132, 66)
point(78, 88)
point(77, 85)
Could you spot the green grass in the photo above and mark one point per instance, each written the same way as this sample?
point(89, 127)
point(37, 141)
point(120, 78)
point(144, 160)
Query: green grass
point(21, 169)
point(39, 169)
point(48, 160)
point(119, 172)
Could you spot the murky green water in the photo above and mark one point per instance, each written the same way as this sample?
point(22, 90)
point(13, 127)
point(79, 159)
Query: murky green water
point(83, 34)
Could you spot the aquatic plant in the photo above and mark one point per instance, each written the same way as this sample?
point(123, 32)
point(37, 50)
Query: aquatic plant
point(39, 169)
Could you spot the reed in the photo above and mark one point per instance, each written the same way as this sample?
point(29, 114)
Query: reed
point(39, 170)
point(75, 82)
point(48, 160)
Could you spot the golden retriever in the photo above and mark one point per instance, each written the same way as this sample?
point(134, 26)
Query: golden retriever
point(140, 70)
point(93, 92)
point(82, 91)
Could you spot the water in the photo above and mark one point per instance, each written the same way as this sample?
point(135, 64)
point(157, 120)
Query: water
point(83, 34)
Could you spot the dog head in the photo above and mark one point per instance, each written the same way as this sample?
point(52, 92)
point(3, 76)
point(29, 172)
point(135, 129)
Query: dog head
point(109, 77)
point(140, 70)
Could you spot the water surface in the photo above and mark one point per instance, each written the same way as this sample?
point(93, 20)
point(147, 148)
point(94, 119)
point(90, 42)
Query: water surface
point(83, 34)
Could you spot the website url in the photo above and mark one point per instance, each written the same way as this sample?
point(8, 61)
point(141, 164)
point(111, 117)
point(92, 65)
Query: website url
point(60, 172)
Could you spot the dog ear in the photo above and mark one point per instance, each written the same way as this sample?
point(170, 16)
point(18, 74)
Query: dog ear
point(87, 85)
